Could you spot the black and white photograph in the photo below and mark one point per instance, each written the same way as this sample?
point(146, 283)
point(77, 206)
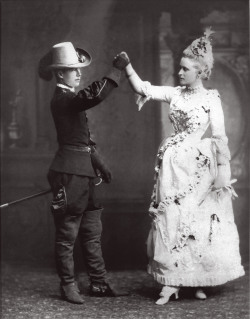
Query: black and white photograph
point(125, 159)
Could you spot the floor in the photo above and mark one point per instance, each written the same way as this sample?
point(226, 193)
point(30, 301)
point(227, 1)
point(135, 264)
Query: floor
point(34, 293)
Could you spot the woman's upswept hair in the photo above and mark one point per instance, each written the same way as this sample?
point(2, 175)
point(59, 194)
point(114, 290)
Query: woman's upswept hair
point(200, 50)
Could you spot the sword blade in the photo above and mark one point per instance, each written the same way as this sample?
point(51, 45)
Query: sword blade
point(25, 198)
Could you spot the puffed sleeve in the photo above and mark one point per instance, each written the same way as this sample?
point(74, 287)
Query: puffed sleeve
point(152, 92)
point(219, 138)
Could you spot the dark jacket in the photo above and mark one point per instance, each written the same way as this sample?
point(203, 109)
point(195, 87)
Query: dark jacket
point(68, 110)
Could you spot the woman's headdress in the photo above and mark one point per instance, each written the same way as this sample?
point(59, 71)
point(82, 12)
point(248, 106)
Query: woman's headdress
point(201, 50)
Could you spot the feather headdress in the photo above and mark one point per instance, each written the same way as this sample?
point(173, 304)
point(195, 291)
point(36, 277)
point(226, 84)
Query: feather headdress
point(201, 50)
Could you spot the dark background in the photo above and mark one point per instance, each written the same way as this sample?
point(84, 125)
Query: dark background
point(153, 33)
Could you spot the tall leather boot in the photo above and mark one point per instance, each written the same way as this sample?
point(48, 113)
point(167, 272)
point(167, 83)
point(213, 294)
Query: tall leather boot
point(70, 293)
point(90, 237)
point(66, 232)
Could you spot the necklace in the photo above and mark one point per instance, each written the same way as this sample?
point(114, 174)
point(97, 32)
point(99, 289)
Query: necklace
point(187, 91)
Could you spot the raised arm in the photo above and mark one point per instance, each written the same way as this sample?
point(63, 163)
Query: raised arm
point(143, 89)
point(134, 80)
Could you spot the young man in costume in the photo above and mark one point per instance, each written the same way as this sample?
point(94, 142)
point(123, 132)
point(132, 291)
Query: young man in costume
point(75, 166)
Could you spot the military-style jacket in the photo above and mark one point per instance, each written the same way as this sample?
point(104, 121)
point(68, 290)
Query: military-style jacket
point(68, 110)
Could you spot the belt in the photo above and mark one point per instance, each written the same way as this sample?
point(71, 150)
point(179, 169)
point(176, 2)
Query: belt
point(85, 149)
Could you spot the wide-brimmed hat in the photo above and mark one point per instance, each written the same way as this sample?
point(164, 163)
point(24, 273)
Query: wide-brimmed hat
point(62, 56)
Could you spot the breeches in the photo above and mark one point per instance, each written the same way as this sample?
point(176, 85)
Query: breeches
point(81, 217)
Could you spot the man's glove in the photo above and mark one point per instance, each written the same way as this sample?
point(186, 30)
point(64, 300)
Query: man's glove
point(100, 168)
point(121, 60)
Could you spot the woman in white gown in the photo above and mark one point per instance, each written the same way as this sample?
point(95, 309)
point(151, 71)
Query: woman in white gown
point(193, 240)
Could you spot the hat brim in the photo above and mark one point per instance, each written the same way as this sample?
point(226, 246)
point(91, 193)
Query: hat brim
point(43, 70)
point(84, 60)
point(45, 66)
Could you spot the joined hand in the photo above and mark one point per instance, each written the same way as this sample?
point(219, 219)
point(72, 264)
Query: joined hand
point(121, 60)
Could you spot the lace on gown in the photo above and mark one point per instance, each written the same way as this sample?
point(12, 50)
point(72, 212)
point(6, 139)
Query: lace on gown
point(188, 244)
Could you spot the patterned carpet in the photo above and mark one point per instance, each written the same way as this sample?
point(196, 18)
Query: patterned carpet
point(34, 293)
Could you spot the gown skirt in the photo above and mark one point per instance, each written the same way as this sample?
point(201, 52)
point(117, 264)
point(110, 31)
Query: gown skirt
point(193, 240)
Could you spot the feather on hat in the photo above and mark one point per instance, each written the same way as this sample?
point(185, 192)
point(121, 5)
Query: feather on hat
point(62, 56)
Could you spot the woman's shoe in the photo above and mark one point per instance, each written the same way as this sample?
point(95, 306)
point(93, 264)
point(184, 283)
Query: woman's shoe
point(200, 294)
point(166, 293)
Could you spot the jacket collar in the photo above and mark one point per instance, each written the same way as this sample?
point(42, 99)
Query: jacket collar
point(65, 87)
